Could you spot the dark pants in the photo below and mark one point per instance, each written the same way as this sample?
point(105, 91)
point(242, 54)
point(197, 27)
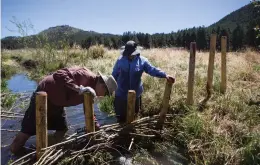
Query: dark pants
point(121, 108)
point(56, 117)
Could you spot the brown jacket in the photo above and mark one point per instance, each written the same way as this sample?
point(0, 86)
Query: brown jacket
point(58, 85)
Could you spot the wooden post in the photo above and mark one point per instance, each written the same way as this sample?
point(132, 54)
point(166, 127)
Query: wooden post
point(165, 103)
point(88, 105)
point(41, 122)
point(223, 85)
point(130, 106)
point(191, 73)
point(211, 64)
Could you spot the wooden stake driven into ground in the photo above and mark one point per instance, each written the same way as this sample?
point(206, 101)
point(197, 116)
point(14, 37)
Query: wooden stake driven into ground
point(41, 122)
point(130, 106)
point(88, 105)
point(211, 65)
point(223, 85)
point(190, 100)
point(165, 104)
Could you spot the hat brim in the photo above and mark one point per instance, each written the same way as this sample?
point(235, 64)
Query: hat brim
point(104, 79)
point(136, 52)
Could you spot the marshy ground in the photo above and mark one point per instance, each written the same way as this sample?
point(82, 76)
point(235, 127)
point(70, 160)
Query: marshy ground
point(224, 131)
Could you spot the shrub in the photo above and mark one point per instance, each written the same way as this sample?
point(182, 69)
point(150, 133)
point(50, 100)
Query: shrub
point(7, 71)
point(7, 100)
point(96, 51)
point(17, 58)
point(251, 151)
point(4, 57)
point(30, 64)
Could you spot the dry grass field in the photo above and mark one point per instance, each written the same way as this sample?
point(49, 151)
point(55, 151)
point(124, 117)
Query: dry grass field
point(224, 131)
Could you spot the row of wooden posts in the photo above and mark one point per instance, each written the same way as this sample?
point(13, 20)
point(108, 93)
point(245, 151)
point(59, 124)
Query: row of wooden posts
point(88, 105)
point(209, 86)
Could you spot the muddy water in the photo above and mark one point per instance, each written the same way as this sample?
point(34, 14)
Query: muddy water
point(21, 84)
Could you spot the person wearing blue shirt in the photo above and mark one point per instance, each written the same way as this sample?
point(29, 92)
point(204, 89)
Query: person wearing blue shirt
point(128, 71)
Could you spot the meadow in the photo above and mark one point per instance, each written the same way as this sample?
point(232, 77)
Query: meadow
point(224, 131)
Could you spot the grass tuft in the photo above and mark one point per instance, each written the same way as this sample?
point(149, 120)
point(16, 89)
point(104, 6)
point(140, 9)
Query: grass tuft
point(96, 51)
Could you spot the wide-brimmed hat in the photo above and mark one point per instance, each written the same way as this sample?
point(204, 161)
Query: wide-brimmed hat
point(110, 82)
point(130, 49)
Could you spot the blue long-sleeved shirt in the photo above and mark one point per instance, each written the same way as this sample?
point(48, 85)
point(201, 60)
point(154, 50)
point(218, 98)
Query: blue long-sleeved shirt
point(128, 74)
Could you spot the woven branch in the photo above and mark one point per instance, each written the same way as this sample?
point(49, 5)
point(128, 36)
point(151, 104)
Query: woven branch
point(13, 113)
point(108, 138)
point(11, 116)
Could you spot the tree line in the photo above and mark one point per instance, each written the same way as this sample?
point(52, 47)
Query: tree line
point(237, 39)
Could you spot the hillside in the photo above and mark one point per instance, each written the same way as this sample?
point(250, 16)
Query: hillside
point(64, 29)
point(242, 17)
point(58, 33)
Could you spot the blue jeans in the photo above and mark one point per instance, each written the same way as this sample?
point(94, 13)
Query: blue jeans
point(121, 108)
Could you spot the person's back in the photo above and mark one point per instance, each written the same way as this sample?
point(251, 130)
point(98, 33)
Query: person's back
point(56, 85)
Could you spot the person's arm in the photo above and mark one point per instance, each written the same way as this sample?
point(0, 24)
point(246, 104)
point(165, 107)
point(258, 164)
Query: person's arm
point(156, 72)
point(116, 70)
point(153, 71)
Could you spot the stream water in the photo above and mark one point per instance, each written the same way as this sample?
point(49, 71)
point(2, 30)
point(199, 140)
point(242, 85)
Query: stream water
point(20, 83)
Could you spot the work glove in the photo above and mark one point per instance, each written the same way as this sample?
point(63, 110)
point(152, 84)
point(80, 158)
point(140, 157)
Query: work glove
point(83, 89)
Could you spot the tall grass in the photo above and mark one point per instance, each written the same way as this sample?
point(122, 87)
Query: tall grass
point(225, 131)
point(106, 105)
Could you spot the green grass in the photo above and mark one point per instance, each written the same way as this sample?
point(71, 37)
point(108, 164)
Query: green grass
point(107, 105)
point(251, 151)
point(10, 161)
point(8, 69)
point(256, 67)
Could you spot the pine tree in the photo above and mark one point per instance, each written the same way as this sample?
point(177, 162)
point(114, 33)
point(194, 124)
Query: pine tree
point(171, 39)
point(201, 39)
point(187, 40)
point(148, 41)
point(178, 40)
point(193, 36)
point(126, 37)
point(224, 32)
point(183, 43)
point(107, 42)
point(237, 38)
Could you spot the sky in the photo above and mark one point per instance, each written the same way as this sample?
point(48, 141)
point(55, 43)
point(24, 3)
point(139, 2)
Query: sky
point(114, 16)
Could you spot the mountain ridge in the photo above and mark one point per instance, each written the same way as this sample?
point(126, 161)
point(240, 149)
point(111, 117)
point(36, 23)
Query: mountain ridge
point(243, 17)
